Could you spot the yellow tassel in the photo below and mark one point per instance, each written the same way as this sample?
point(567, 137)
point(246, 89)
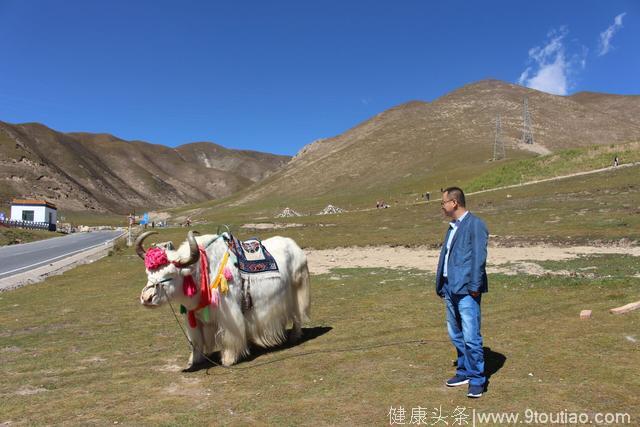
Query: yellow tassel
point(220, 281)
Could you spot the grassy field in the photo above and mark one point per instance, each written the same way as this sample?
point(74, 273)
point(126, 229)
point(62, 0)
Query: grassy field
point(387, 184)
point(603, 207)
point(79, 348)
point(10, 236)
point(403, 190)
point(377, 339)
point(92, 219)
point(561, 163)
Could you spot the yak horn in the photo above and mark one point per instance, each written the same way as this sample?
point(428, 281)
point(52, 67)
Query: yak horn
point(139, 248)
point(194, 252)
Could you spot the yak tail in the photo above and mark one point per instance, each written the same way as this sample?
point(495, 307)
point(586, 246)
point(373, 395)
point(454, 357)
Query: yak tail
point(302, 292)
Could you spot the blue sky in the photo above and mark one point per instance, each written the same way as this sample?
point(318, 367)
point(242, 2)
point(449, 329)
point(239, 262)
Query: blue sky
point(274, 76)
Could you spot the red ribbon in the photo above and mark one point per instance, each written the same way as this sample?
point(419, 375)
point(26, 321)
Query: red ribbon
point(189, 287)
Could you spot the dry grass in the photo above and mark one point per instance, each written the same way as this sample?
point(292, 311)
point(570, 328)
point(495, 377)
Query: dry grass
point(79, 349)
point(11, 236)
point(596, 208)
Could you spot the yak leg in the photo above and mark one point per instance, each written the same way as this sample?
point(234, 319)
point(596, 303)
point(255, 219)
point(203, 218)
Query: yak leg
point(296, 331)
point(233, 342)
point(234, 346)
point(197, 352)
point(300, 301)
point(233, 349)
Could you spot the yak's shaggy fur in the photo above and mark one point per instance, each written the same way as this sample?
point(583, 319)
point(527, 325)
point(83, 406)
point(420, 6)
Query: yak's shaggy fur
point(277, 301)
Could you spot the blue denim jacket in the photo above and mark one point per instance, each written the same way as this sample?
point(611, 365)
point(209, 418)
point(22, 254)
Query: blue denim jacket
point(467, 263)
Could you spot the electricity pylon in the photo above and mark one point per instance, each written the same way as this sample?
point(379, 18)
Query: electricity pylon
point(527, 132)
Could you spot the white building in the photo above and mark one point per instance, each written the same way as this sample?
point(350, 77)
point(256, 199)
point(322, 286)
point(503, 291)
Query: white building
point(37, 211)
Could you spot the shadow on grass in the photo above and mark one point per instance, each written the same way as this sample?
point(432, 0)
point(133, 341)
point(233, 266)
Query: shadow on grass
point(493, 362)
point(308, 334)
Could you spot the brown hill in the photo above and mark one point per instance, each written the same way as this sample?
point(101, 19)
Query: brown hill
point(445, 141)
point(412, 146)
point(624, 106)
point(248, 164)
point(102, 173)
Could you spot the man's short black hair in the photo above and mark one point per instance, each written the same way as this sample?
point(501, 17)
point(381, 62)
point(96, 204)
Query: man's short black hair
point(456, 193)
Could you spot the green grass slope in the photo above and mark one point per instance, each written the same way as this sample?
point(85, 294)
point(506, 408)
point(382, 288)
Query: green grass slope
point(563, 162)
point(12, 236)
point(600, 206)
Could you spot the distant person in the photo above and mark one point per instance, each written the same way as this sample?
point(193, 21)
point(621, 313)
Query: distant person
point(153, 224)
point(428, 196)
point(461, 279)
point(616, 162)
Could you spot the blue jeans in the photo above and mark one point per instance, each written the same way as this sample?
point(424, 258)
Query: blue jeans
point(463, 325)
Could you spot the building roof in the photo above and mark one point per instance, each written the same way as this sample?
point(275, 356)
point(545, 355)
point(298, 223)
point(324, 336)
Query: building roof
point(32, 202)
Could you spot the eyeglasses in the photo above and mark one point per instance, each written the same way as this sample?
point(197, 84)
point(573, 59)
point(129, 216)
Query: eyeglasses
point(442, 203)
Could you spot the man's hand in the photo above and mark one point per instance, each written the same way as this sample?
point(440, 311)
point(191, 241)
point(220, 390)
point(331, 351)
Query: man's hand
point(474, 294)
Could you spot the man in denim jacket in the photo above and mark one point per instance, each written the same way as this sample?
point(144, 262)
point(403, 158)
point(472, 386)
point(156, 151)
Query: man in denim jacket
point(461, 280)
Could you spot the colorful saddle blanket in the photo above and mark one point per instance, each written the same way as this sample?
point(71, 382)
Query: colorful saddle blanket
point(252, 256)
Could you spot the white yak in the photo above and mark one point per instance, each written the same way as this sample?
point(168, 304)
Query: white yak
point(277, 301)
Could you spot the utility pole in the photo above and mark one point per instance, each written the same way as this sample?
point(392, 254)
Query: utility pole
point(527, 132)
point(498, 145)
point(130, 220)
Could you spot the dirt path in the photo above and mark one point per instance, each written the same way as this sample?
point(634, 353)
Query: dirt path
point(500, 260)
point(523, 184)
point(195, 212)
point(557, 178)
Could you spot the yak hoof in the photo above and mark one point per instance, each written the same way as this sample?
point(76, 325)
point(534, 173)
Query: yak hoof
point(190, 368)
point(228, 358)
point(193, 363)
point(295, 334)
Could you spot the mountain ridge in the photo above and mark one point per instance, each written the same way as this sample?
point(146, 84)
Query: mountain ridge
point(103, 173)
point(404, 147)
point(447, 139)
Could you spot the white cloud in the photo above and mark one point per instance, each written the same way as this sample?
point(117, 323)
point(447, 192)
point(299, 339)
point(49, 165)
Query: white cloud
point(550, 70)
point(607, 35)
point(551, 78)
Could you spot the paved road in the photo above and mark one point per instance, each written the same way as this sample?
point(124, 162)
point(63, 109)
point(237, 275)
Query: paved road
point(17, 259)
